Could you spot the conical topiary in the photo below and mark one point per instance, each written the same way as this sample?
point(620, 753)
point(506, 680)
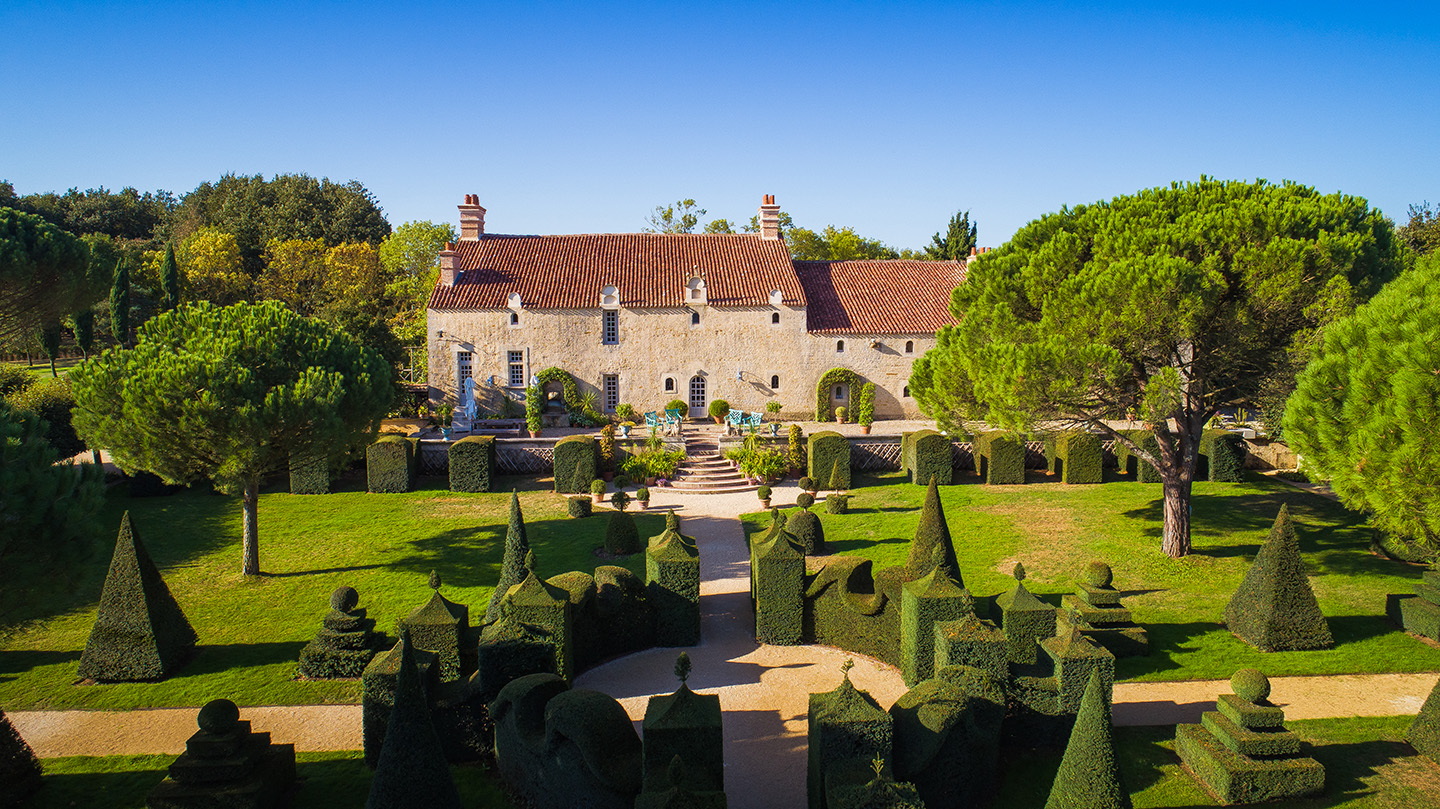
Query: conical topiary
point(140, 632)
point(1089, 777)
point(1424, 732)
point(19, 768)
point(1275, 610)
point(622, 537)
point(412, 772)
point(930, 535)
point(512, 567)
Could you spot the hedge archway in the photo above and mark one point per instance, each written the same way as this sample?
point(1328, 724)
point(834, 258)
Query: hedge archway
point(570, 390)
point(834, 376)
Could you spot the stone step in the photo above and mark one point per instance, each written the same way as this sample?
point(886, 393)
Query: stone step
point(711, 488)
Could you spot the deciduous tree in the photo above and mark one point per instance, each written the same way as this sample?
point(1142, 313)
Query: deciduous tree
point(1422, 232)
point(1170, 303)
point(230, 393)
point(681, 217)
point(213, 268)
point(295, 274)
point(836, 244)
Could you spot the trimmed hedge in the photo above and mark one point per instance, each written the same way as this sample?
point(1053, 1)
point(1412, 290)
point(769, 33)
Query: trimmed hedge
point(925, 454)
point(1026, 620)
point(1000, 458)
point(510, 650)
point(19, 768)
point(688, 725)
point(377, 694)
point(1236, 778)
point(779, 580)
point(575, 464)
point(848, 607)
point(837, 503)
point(472, 464)
point(1089, 776)
point(514, 562)
point(947, 737)
point(672, 584)
point(853, 784)
point(547, 606)
point(622, 538)
point(225, 759)
point(1424, 733)
point(346, 641)
point(805, 526)
point(140, 633)
point(1260, 743)
point(309, 474)
point(390, 465)
point(925, 602)
point(972, 642)
point(828, 455)
point(1131, 464)
point(578, 507)
point(844, 724)
point(1222, 456)
point(828, 380)
point(412, 769)
point(1274, 608)
point(1250, 715)
point(443, 627)
point(1076, 457)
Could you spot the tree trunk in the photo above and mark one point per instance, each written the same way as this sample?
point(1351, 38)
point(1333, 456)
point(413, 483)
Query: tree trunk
point(1175, 538)
point(53, 373)
point(250, 536)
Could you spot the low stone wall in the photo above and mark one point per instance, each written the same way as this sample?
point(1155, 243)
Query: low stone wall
point(514, 456)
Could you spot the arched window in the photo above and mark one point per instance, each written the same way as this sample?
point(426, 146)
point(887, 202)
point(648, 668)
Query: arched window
point(669, 384)
point(514, 318)
point(909, 346)
point(774, 317)
point(774, 383)
point(694, 318)
point(906, 394)
point(839, 346)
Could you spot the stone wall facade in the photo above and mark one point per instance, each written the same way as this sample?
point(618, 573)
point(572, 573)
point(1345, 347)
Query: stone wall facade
point(739, 354)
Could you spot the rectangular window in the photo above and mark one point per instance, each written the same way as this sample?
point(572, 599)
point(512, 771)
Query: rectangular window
point(463, 371)
point(611, 384)
point(516, 362)
point(612, 328)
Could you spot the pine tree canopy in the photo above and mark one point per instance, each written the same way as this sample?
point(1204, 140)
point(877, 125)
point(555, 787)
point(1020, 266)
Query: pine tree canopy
point(1366, 410)
point(45, 273)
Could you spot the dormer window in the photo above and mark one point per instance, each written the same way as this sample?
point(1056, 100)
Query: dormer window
point(514, 304)
point(695, 290)
point(839, 346)
point(609, 297)
point(909, 346)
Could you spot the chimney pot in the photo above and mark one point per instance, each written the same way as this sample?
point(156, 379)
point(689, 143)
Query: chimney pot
point(448, 272)
point(769, 218)
point(472, 218)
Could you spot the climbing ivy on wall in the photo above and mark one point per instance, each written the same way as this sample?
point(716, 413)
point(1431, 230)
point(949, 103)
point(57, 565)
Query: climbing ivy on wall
point(582, 413)
point(834, 376)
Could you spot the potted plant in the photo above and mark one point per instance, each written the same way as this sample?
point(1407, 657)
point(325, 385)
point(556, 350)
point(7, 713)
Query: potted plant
point(764, 494)
point(622, 481)
point(642, 496)
point(625, 412)
point(625, 428)
point(534, 406)
point(840, 415)
point(446, 419)
point(678, 404)
point(807, 484)
point(597, 491)
point(719, 409)
point(865, 407)
point(772, 407)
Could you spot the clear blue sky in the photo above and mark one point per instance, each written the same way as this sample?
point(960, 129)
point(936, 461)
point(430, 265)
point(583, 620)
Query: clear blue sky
point(582, 117)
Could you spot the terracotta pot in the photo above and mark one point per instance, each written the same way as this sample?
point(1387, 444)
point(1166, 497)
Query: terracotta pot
point(534, 433)
point(649, 481)
point(597, 499)
point(719, 419)
point(644, 504)
point(865, 429)
point(608, 476)
point(765, 503)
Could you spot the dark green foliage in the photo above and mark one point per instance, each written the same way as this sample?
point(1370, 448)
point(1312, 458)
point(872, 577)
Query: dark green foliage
point(961, 236)
point(120, 304)
point(865, 404)
point(622, 538)
point(1089, 776)
point(42, 501)
point(936, 597)
point(623, 615)
point(1132, 464)
point(932, 536)
point(1236, 778)
point(591, 755)
point(1222, 456)
point(679, 404)
point(1424, 732)
point(19, 768)
point(225, 764)
point(1274, 609)
point(925, 455)
point(1260, 743)
point(828, 381)
point(547, 606)
point(848, 607)
point(856, 784)
point(828, 455)
point(443, 627)
point(412, 770)
point(805, 526)
point(346, 641)
point(1250, 715)
point(169, 279)
point(1250, 685)
point(575, 464)
point(672, 793)
point(947, 737)
point(52, 400)
point(309, 474)
point(45, 273)
point(972, 642)
point(140, 632)
point(806, 484)
point(13, 379)
point(50, 335)
point(1000, 458)
point(578, 507)
point(672, 584)
point(1026, 620)
point(688, 725)
point(1096, 612)
point(1074, 658)
point(512, 566)
point(837, 503)
point(1075, 456)
point(778, 573)
point(390, 465)
point(472, 464)
point(83, 323)
point(509, 650)
point(844, 724)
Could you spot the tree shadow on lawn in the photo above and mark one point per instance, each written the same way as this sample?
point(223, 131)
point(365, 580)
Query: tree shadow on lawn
point(14, 663)
point(1254, 514)
point(838, 546)
point(218, 658)
point(1348, 764)
point(104, 790)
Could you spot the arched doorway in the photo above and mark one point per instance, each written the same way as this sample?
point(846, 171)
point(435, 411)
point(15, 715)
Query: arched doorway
point(697, 397)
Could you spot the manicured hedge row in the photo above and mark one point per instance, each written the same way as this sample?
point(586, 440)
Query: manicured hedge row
point(779, 582)
point(1222, 456)
point(390, 465)
point(925, 602)
point(309, 474)
point(848, 607)
point(925, 454)
point(1131, 464)
point(844, 724)
point(828, 454)
point(472, 464)
point(575, 464)
point(672, 583)
point(947, 737)
point(1000, 458)
point(1075, 456)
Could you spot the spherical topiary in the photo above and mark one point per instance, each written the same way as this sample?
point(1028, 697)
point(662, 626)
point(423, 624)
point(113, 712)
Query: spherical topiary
point(763, 492)
point(678, 404)
point(1250, 685)
point(218, 716)
point(805, 500)
point(719, 408)
point(808, 484)
point(597, 486)
point(1098, 574)
point(344, 598)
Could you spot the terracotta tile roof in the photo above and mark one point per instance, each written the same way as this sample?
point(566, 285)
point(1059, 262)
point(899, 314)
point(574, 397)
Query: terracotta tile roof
point(649, 269)
point(878, 297)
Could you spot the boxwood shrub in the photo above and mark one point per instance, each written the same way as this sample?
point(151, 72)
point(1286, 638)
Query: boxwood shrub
point(1075, 456)
point(837, 503)
point(309, 474)
point(390, 465)
point(578, 506)
point(1222, 454)
point(622, 538)
point(472, 464)
point(19, 768)
point(829, 459)
point(1131, 464)
point(575, 464)
point(805, 526)
point(848, 607)
point(1000, 458)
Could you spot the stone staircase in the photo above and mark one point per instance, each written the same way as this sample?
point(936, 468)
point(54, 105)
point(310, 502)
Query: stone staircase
point(704, 469)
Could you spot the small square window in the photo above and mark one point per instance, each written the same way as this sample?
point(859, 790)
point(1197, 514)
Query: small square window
point(515, 360)
point(839, 346)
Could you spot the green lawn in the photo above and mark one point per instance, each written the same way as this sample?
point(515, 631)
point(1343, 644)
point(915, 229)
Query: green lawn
point(326, 781)
point(1055, 529)
point(1368, 766)
point(251, 632)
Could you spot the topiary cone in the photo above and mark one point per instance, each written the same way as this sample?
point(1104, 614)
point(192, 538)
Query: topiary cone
point(19, 768)
point(931, 534)
point(512, 568)
point(1274, 608)
point(412, 771)
point(1424, 732)
point(1089, 777)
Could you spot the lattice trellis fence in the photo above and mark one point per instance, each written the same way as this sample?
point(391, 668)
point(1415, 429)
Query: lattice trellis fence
point(521, 460)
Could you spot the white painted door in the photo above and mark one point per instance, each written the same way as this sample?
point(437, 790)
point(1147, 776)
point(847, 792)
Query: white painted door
point(697, 397)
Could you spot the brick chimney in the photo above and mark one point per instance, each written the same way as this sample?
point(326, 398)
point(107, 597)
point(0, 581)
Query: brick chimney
point(447, 265)
point(472, 217)
point(769, 218)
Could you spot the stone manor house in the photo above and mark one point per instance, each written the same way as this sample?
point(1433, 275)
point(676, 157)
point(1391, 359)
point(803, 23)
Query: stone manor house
point(645, 318)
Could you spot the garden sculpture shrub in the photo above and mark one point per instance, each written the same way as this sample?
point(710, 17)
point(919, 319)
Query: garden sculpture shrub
point(622, 480)
point(1074, 658)
point(575, 464)
point(805, 526)
point(473, 464)
point(140, 633)
point(672, 585)
point(829, 458)
point(377, 694)
point(808, 486)
point(778, 570)
point(859, 784)
point(622, 538)
point(1222, 457)
point(1242, 753)
point(390, 465)
point(797, 450)
point(1089, 775)
point(607, 448)
point(1423, 733)
point(622, 612)
point(837, 503)
point(227, 764)
point(1000, 458)
point(346, 641)
point(548, 606)
point(53, 402)
point(865, 405)
point(620, 500)
point(590, 755)
point(805, 500)
point(309, 474)
point(598, 487)
point(412, 769)
point(672, 791)
point(1075, 457)
point(20, 770)
point(947, 737)
point(936, 597)
point(826, 384)
point(932, 535)
point(1095, 611)
point(973, 642)
point(1274, 609)
point(517, 547)
point(925, 455)
point(688, 725)
point(578, 506)
point(849, 606)
point(511, 649)
point(1025, 619)
point(763, 492)
point(844, 724)
point(443, 627)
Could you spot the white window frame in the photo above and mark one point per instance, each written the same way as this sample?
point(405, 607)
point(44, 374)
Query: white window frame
point(510, 367)
point(464, 369)
point(610, 327)
point(610, 391)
